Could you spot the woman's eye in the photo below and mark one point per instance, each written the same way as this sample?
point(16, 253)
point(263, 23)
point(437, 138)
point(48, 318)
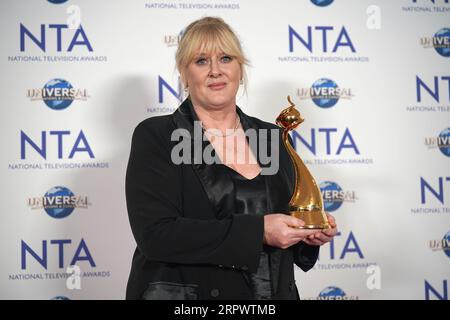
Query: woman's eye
point(226, 59)
point(201, 61)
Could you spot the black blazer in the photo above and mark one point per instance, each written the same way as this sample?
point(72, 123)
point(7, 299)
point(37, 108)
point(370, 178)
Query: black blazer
point(190, 245)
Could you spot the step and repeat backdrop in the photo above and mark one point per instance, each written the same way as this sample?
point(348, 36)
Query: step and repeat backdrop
point(371, 78)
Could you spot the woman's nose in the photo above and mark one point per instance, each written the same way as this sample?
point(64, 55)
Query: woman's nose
point(214, 70)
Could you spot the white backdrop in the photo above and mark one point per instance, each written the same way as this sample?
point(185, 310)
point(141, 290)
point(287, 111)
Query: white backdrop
point(378, 143)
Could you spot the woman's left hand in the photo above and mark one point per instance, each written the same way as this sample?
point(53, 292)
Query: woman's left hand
point(323, 236)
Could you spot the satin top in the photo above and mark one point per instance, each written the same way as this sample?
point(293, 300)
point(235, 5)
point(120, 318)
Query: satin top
point(251, 198)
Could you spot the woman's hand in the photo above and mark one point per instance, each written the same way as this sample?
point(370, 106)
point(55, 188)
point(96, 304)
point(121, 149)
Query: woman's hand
point(321, 237)
point(280, 230)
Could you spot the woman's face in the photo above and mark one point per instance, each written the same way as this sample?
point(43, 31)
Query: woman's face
point(213, 80)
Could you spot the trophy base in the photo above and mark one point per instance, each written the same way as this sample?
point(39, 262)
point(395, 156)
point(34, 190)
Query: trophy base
point(314, 219)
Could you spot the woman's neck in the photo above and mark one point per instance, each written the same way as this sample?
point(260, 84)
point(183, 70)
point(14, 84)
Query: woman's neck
point(221, 119)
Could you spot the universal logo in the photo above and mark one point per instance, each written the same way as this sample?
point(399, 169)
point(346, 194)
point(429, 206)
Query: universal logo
point(58, 94)
point(442, 141)
point(59, 202)
point(441, 245)
point(325, 93)
point(171, 40)
point(333, 195)
point(440, 42)
point(322, 3)
point(335, 293)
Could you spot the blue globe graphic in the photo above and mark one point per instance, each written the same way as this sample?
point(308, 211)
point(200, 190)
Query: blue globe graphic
point(324, 101)
point(330, 204)
point(61, 211)
point(332, 292)
point(322, 3)
point(57, 1)
point(444, 138)
point(55, 102)
point(445, 49)
point(446, 239)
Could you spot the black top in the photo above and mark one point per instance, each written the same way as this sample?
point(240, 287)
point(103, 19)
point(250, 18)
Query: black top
point(250, 197)
point(189, 241)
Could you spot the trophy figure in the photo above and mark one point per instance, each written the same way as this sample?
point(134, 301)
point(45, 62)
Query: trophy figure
point(306, 202)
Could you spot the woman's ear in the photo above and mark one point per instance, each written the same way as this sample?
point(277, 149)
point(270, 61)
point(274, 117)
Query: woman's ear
point(241, 74)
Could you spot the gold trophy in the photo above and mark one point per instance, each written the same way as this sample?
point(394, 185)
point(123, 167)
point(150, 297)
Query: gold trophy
point(306, 202)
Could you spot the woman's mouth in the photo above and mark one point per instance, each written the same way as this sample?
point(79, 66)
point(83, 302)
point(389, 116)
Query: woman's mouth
point(217, 86)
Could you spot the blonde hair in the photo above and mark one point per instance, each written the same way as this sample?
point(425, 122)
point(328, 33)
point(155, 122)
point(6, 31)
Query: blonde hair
point(208, 35)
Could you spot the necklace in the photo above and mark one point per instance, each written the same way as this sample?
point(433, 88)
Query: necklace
point(238, 122)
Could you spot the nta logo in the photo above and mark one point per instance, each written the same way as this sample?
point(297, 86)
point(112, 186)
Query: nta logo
point(325, 137)
point(79, 38)
point(432, 89)
point(80, 145)
point(437, 192)
point(82, 253)
point(342, 39)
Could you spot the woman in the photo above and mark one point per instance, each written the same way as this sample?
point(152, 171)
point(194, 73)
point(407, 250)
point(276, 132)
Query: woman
point(212, 230)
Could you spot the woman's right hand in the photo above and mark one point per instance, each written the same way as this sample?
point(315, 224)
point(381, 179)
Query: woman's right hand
point(281, 230)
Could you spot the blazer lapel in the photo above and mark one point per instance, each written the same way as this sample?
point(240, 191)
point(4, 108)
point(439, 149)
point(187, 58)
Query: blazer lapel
point(216, 183)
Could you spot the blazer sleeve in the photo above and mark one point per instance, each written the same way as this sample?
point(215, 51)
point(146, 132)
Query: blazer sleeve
point(305, 255)
point(154, 203)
